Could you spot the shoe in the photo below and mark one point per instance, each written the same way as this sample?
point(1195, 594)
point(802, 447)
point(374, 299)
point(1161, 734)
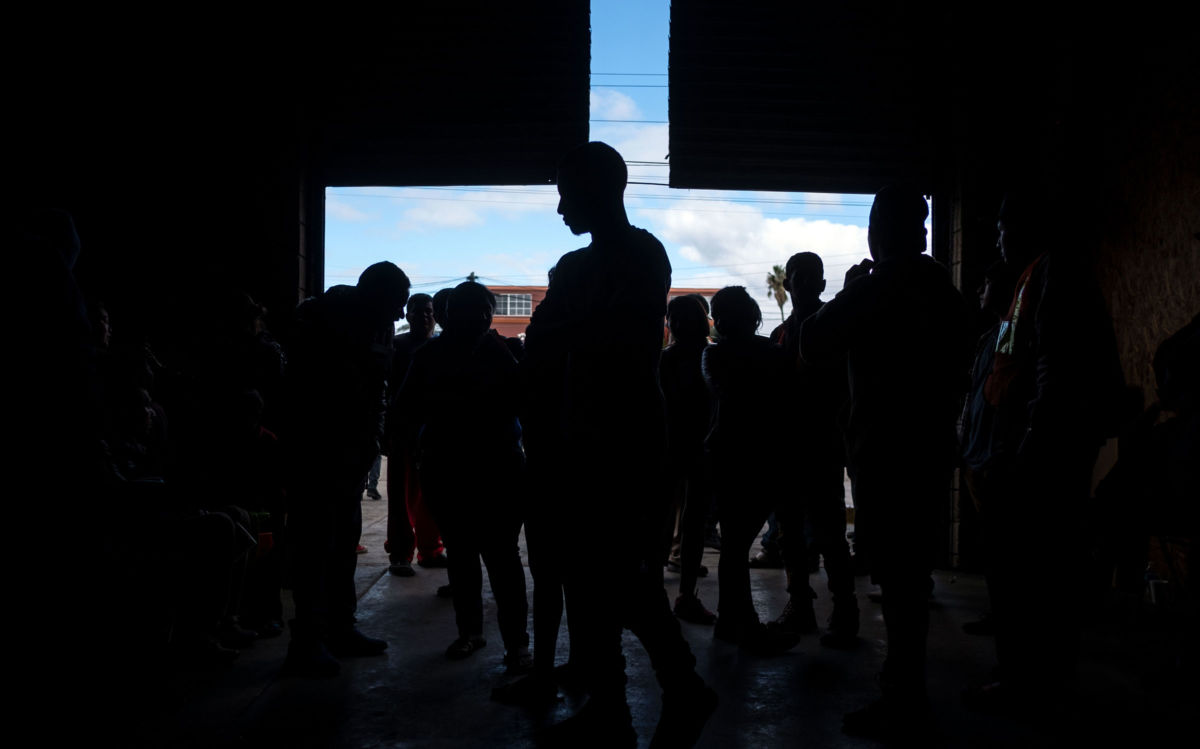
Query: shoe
point(797, 619)
point(310, 659)
point(762, 640)
point(402, 569)
point(374, 494)
point(764, 561)
point(568, 677)
point(445, 591)
point(361, 549)
point(464, 647)
point(352, 643)
point(983, 626)
point(675, 567)
point(529, 691)
point(684, 713)
point(999, 698)
point(267, 628)
point(884, 720)
point(712, 540)
point(231, 634)
point(594, 725)
point(690, 609)
point(518, 661)
point(202, 652)
point(843, 625)
point(433, 562)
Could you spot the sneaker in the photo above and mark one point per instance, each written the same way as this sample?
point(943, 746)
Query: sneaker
point(464, 647)
point(310, 659)
point(712, 539)
point(529, 691)
point(402, 569)
point(983, 626)
point(883, 720)
point(352, 643)
point(518, 661)
point(233, 635)
point(691, 609)
point(436, 561)
point(797, 619)
point(569, 677)
point(684, 713)
point(595, 724)
point(767, 641)
point(764, 561)
point(361, 549)
point(445, 591)
point(202, 652)
point(843, 625)
point(374, 494)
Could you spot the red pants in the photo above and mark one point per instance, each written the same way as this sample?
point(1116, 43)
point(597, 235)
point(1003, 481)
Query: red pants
point(409, 525)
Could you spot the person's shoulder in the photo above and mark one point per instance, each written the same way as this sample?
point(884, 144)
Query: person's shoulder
point(644, 237)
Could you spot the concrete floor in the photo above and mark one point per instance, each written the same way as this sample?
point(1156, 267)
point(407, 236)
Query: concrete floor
point(413, 697)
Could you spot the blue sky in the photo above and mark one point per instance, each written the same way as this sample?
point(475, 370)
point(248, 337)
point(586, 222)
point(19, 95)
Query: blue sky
point(512, 234)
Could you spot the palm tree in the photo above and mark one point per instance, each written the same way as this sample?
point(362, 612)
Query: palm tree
point(777, 287)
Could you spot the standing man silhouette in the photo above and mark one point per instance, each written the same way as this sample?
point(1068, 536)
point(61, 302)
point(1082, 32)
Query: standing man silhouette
point(338, 369)
point(600, 325)
point(901, 325)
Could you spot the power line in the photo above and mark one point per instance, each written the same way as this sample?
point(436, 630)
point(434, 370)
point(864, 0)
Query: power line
point(638, 122)
point(640, 196)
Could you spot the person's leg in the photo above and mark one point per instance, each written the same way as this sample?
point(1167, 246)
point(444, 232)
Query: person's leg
point(400, 481)
point(499, 545)
point(741, 519)
point(695, 508)
point(372, 482)
point(420, 519)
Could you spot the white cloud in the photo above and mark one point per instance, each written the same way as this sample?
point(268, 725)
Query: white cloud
point(607, 104)
point(739, 245)
point(344, 211)
point(441, 215)
point(635, 142)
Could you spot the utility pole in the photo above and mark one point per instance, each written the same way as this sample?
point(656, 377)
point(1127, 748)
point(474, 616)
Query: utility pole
point(471, 277)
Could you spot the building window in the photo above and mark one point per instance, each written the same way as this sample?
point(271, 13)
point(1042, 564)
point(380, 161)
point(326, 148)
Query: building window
point(514, 305)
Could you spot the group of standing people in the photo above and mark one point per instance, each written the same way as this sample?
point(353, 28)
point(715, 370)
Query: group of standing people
point(590, 433)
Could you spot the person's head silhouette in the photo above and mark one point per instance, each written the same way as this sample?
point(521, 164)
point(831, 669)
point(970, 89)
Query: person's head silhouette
point(420, 315)
point(384, 288)
point(1022, 227)
point(469, 309)
point(687, 320)
point(591, 189)
point(735, 313)
point(805, 275)
point(897, 223)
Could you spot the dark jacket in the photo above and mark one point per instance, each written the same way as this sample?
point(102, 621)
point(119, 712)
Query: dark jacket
point(903, 331)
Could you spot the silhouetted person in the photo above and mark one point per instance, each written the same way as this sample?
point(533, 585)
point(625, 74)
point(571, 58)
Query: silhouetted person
point(338, 369)
point(747, 375)
point(440, 299)
point(548, 527)
point(689, 416)
point(900, 323)
point(1055, 384)
point(816, 478)
point(601, 322)
point(463, 391)
point(410, 525)
point(979, 430)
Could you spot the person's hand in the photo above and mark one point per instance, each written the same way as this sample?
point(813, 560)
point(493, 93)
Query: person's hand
point(856, 272)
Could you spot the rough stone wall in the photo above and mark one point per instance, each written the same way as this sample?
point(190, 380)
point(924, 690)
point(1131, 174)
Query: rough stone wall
point(1149, 249)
